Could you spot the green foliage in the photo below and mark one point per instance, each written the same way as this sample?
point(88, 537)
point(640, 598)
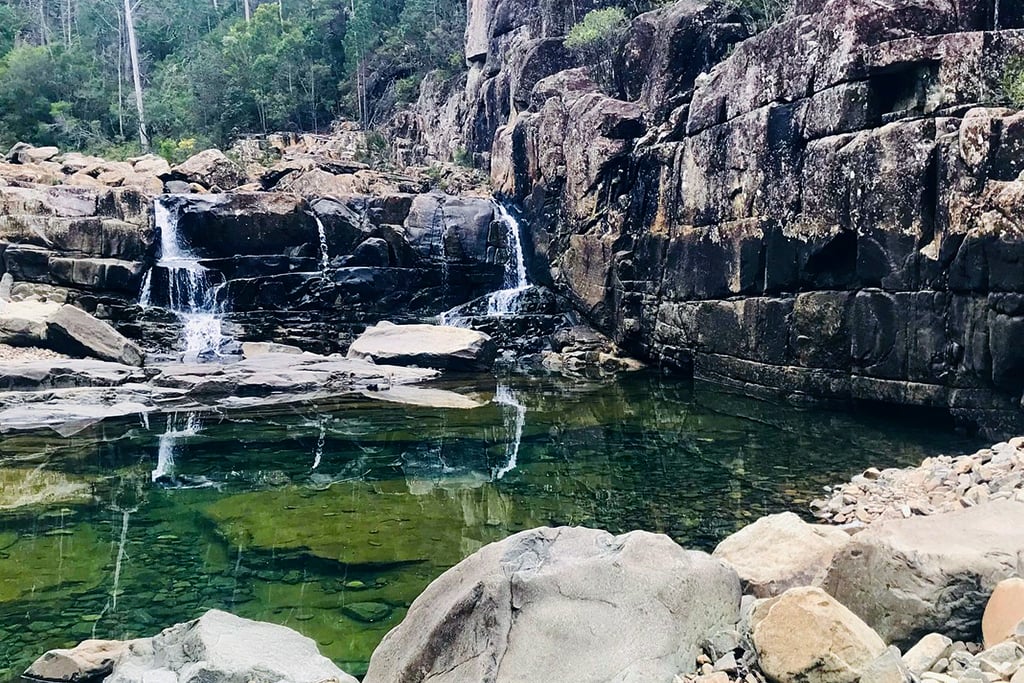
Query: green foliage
point(598, 28)
point(207, 73)
point(1013, 82)
point(462, 158)
point(376, 152)
point(762, 14)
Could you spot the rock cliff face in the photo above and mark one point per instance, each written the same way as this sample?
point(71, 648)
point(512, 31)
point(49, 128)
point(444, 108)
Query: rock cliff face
point(829, 208)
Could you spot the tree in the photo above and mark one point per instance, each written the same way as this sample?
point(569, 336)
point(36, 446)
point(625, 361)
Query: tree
point(133, 50)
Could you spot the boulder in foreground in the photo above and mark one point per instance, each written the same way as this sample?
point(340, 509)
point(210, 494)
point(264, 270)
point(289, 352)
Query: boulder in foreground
point(215, 647)
point(907, 578)
point(65, 329)
point(566, 604)
point(806, 635)
point(428, 346)
point(779, 552)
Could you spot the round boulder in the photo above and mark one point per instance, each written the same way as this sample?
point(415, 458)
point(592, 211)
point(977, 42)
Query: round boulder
point(779, 552)
point(566, 604)
point(806, 635)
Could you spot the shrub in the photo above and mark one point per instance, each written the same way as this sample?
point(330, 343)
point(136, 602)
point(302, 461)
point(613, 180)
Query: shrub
point(762, 14)
point(600, 28)
point(1013, 82)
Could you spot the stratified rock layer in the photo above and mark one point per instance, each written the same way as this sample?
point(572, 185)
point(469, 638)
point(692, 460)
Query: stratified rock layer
point(831, 209)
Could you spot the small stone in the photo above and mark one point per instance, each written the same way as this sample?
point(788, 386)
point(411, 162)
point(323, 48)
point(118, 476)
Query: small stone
point(929, 650)
point(726, 663)
point(1003, 659)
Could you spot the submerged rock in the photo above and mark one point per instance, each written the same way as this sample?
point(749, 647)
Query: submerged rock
point(567, 604)
point(908, 578)
point(430, 346)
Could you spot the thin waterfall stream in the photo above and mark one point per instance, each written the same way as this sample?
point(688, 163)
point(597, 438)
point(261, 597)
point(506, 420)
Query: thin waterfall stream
point(192, 292)
point(505, 301)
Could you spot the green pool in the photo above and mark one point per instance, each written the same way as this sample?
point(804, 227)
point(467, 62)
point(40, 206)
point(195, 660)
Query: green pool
point(332, 519)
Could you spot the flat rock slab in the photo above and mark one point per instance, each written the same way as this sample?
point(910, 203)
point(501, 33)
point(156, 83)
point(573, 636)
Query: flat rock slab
point(908, 578)
point(426, 346)
point(69, 395)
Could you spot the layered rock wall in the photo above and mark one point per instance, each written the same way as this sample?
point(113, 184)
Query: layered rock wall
point(829, 208)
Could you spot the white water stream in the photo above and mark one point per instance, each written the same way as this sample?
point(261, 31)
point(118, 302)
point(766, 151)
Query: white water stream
point(191, 292)
point(506, 300)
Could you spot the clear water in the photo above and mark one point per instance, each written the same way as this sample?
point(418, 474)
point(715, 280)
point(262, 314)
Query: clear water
point(332, 519)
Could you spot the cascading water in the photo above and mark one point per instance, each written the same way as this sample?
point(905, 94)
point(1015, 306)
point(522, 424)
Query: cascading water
point(506, 300)
point(515, 420)
point(322, 234)
point(191, 291)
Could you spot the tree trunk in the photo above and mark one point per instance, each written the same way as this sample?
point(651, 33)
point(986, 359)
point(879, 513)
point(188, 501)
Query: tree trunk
point(133, 49)
point(248, 10)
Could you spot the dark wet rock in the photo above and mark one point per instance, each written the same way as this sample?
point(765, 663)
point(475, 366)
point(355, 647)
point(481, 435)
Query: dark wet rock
point(825, 209)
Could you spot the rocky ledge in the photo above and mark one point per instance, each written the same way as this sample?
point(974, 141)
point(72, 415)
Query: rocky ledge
point(68, 394)
point(934, 598)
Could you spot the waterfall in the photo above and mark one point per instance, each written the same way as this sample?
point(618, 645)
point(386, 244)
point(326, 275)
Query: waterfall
point(515, 420)
point(506, 300)
point(322, 234)
point(191, 291)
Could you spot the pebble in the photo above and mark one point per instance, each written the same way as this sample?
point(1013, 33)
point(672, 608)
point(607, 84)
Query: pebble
point(940, 484)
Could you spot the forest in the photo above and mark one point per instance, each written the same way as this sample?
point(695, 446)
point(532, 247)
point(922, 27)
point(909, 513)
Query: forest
point(210, 70)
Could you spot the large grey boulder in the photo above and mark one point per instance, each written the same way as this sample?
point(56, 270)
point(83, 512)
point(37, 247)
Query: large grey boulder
point(215, 647)
point(566, 604)
point(779, 552)
point(907, 578)
point(72, 331)
point(428, 346)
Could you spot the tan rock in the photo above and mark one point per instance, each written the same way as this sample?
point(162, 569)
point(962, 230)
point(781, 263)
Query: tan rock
point(779, 552)
point(1005, 609)
point(806, 635)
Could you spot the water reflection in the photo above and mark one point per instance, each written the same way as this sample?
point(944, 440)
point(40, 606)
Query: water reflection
point(331, 520)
